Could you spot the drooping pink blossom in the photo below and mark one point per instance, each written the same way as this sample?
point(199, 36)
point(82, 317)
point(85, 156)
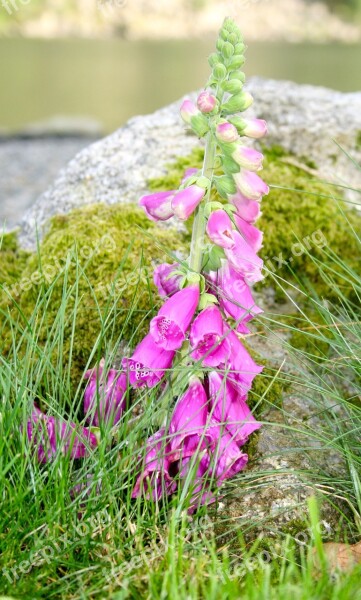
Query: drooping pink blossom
point(248, 158)
point(235, 297)
point(166, 282)
point(250, 185)
point(154, 480)
point(206, 338)
point(219, 229)
point(49, 436)
point(104, 396)
point(226, 132)
point(252, 235)
point(240, 369)
point(148, 363)
point(158, 206)
point(186, 201)
point(226, 459)
point(188, 425)
point(247, 209)
point(229, 408)
point(206, 102)
point(169, 327)
point(244, 259)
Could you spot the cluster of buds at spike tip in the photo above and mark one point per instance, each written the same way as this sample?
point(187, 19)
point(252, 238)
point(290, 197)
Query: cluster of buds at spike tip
point(207, 303)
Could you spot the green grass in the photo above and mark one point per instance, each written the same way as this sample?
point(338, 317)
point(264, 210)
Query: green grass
point(103, 544)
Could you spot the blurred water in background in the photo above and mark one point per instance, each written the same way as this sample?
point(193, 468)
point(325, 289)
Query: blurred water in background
point(112, 80)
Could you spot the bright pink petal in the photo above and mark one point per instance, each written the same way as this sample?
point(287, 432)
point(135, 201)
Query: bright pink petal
point(206, 338)
point(166, 282)
point(250, 185)
point(186, 201)
point(219, 229)
point(252, 235)
point(244, 259)
point(148, 363)
point(247, 209)
point(169, 327)
point(158, 206)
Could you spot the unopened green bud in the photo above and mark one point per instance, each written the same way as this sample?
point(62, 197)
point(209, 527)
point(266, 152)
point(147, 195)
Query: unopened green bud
point(236, 62)
point(225, 185)
point(234, 38)
point(219, 71)
point(224, 34)
point(214, 59)
point(211, 206)
point(219, 44)
point(207, 299)
point(239, 124)
point(237, 103)
point(227, 50)
point(239, 48)
point(233, 86)
point(238, 75)
point(199, 124)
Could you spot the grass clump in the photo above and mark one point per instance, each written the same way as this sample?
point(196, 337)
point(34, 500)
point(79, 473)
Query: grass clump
point(92, 260)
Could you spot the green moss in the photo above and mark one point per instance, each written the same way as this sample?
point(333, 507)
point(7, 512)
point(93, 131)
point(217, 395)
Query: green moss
point(93, 262)
point(298, 220)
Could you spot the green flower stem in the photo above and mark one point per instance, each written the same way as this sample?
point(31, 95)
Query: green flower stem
point(199, 225)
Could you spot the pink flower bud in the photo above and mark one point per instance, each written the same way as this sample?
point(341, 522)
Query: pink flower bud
point(169, 327)
point(206, 102)
point(188, 110)
point(248, 158)
point(186, 201)
point(226, 132)
point(254, 128)
point(158, 206)
point(250, 185)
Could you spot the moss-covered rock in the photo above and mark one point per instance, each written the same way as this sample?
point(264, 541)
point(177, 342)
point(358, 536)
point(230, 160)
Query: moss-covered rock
point(300, 218)
point(91, 277)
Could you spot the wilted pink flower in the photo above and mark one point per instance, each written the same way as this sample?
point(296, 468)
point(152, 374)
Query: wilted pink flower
point(244, 260)
point(226, 132)
point(219, 229)
point(154, 481)
point(50, 435)
point(148, 363)
point(250, 185)
point(226, 459)
point(248, 158)
point(186, 201)
point(247, 209)
point(166, 282)
point(104, 396)
point(252, 235)
point(206, 338)
point(188, 110)
point(235, 297)
point(188, 424)
point(241, 368)
point(229, 408)
point(255, 128)
point(189, 173)
point(206, 102)
point(158, 206)
point(169, 327)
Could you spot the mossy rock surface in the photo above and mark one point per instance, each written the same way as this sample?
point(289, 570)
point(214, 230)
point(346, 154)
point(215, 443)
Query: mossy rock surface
point(93, 262)
point(302, 220)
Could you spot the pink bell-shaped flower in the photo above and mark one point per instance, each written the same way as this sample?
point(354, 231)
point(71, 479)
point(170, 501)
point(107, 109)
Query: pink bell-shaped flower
point(158, 206)
point(169, 327)
point(148, 363)
point(186, 201)
point(219, 229)
point(240, 369)
point(244, 259)
point(51, 435)
point(206, 338)
point(250, 185)
point(229, 408)
point(166, 282)
point(247, 209)
point(104, 396)
point(235, 297)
